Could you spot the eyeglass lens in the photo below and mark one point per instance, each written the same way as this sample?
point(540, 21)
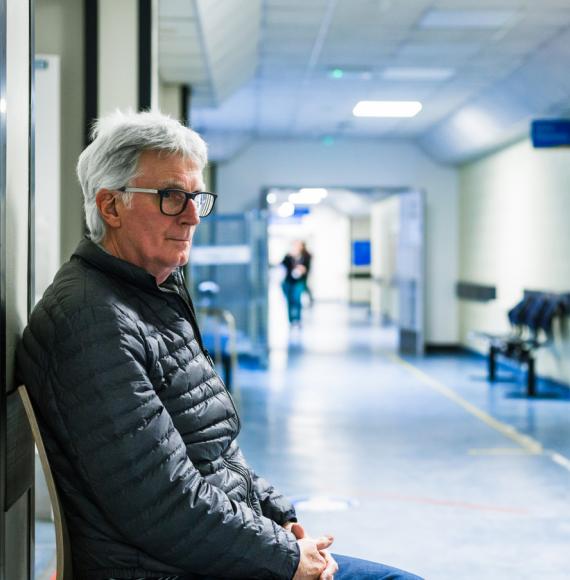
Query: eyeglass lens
point(173, 202)
point(204, 202)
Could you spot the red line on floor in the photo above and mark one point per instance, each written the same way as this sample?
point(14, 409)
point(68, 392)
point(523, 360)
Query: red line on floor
point(445, 502)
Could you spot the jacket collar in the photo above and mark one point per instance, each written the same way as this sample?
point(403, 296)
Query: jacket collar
point(97, 257)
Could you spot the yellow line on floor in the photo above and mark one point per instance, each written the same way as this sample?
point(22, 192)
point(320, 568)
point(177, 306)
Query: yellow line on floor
point(530, 445)
point(560, 459)
point(499, 451)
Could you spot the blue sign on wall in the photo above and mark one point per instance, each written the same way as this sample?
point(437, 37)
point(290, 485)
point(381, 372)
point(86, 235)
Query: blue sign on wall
point(550, 132)
point(361, 253)
point(301, 211)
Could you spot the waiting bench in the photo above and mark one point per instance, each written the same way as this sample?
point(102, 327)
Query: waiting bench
point(531, 323)
point(63, 546)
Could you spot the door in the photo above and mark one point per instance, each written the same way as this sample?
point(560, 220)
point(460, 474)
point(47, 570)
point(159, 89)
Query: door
point(410, 273)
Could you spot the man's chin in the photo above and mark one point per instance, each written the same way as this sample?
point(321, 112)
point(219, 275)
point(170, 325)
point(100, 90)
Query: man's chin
point(185, 255)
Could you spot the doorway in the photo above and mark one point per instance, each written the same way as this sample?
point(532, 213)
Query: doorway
point(367, 248)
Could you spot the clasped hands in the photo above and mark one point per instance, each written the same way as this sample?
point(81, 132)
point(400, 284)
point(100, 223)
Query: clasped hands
point(316, 561)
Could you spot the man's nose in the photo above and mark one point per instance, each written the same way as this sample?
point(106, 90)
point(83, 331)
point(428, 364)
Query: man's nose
point(190, 214)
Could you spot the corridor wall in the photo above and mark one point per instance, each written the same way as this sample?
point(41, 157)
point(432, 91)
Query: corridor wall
point(59, 30)
point(361, 163)
point(515, 235)
point(385, 231)
point(361, 280)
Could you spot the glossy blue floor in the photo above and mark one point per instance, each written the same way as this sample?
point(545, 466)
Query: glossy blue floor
point(417, 463)
point(444, 475)
point(45, 561)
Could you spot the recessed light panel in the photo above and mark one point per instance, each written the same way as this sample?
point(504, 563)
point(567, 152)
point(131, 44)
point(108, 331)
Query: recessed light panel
point(308, 196)
point(417, 74)
point(467, 18)
point(393, 109)
point(448, 52)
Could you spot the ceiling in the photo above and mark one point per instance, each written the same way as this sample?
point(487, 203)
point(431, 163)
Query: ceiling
point(354, 202)
point(265, 68)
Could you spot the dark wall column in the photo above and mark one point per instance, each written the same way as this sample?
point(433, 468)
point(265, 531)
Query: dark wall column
point(91, 50)
point(145, 49)
point(186, 104)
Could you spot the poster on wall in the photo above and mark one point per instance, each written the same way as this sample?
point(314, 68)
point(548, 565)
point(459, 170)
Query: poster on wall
point(361, 253)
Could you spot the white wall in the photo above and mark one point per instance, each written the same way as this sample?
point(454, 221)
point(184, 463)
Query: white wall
point(59, 30)
point(169, 100)
point(47, 172)
point(331, 254)
point(327, 235)
point(118, 66)
point(385, 218)
point(514, 216)
point(360, 288)
point(118, 55)
point(365, 163)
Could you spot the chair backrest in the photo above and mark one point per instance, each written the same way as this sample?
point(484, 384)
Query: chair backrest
point(63, 547)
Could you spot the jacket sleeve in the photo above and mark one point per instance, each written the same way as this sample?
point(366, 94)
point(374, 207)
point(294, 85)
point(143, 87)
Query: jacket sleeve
point(133, 462)
point(274, 504)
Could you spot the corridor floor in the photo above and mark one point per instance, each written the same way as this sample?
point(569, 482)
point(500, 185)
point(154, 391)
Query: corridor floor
point(417, 463)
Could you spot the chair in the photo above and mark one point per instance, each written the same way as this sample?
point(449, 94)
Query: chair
point(63, 546)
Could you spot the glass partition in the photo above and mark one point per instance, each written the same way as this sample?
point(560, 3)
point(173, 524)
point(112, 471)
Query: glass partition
point(2, 261)
point(45, 253)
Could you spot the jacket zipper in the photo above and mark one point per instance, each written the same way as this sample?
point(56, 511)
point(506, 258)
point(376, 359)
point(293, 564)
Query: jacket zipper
point(244, 473)
point(232, 465)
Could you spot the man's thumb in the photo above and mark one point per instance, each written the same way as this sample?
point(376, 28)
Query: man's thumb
point(298, 531)
point(324, 542)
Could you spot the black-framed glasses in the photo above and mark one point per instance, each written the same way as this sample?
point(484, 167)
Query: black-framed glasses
point(174, 201)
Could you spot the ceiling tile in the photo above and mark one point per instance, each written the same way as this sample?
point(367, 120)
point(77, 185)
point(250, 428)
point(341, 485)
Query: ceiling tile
point(436, 49)
point(467, 19)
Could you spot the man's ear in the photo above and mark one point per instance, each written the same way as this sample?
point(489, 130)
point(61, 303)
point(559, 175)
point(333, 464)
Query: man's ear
point(107, 206)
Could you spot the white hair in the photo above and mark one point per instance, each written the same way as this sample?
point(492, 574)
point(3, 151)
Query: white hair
point(111, 159)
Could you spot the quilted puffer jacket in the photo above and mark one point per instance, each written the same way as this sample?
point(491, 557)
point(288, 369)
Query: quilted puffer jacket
point(141, 432)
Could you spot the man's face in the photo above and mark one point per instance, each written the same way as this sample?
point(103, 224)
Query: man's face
point(156, 242)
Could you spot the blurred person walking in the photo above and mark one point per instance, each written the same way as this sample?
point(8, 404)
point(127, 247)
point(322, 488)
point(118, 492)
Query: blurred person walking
point(297, 265)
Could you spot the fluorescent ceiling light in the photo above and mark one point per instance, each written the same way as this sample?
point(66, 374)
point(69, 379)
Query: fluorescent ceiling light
point(387, 109)
point(271, 198)
point(286, 209)
point(467, 18)
point(308, 196)
point(436, 50)
point(317, 191)
point(407, 73)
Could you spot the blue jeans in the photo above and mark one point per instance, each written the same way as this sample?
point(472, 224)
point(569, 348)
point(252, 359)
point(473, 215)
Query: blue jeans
point(349, 569)
point(293, 292)
point(357, 569)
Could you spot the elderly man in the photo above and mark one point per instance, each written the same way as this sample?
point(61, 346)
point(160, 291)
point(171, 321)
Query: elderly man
point(139, 428)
